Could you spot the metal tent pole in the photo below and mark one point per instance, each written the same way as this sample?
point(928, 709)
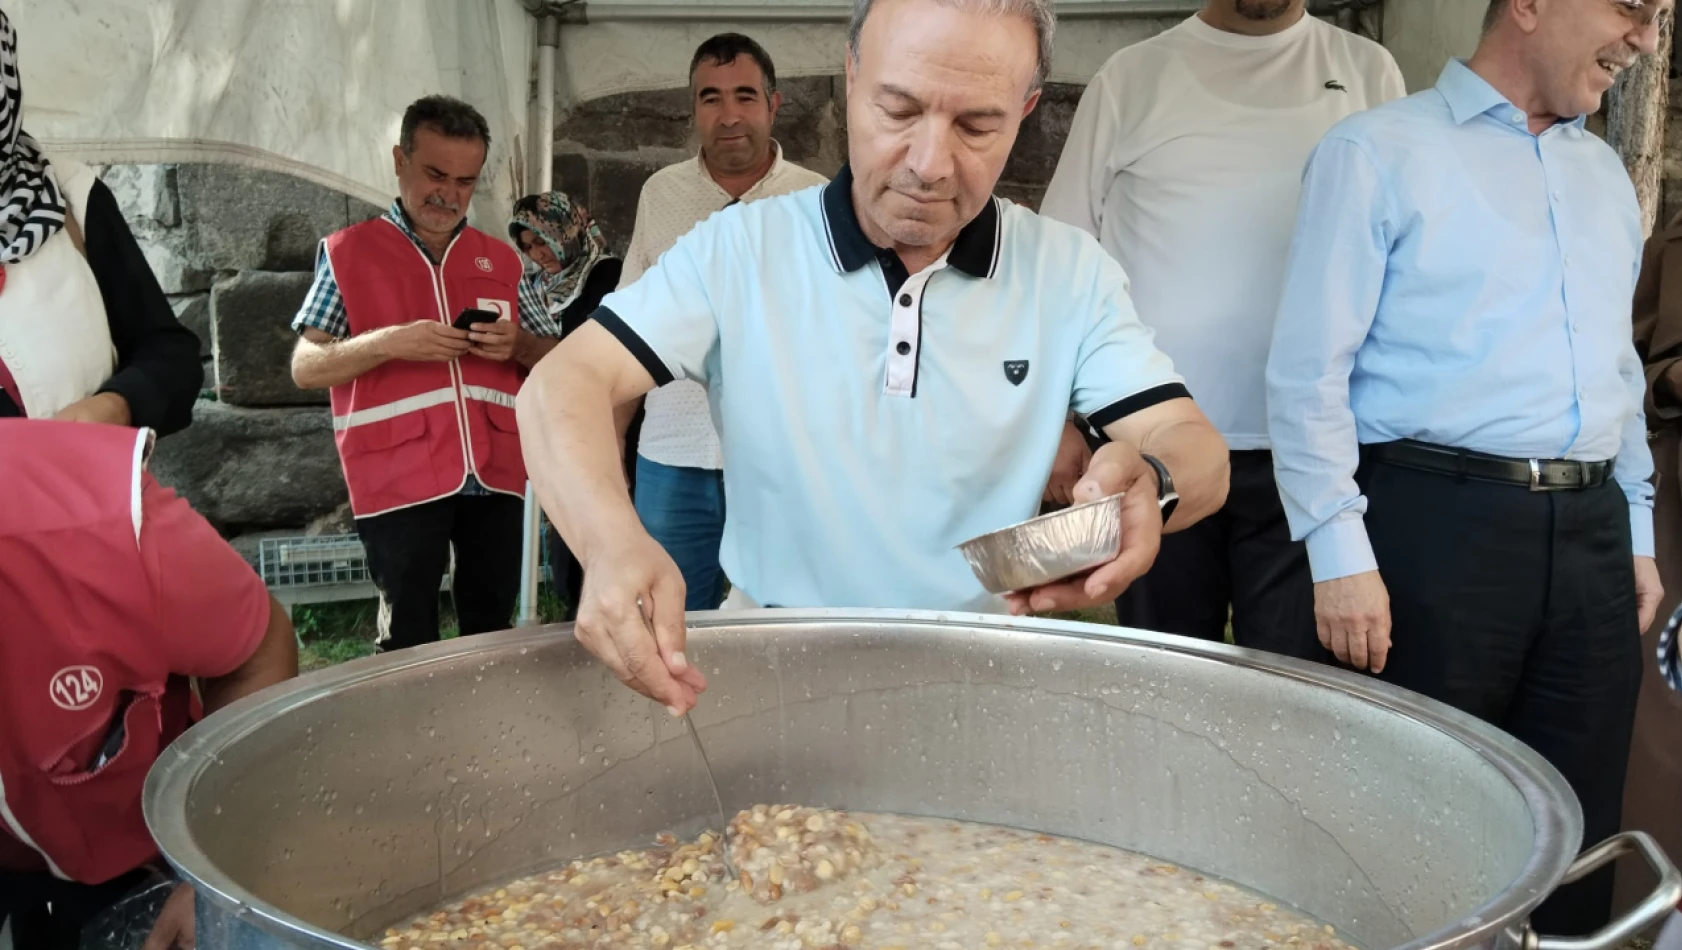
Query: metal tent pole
point(548, 40)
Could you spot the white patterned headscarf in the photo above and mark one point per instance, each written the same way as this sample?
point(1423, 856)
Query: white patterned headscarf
point(31, 204)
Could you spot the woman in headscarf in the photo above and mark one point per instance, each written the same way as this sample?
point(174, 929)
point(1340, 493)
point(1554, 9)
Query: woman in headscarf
point(1659, 728)
point(1654, 774)
point(573, 269)
point(86, 333)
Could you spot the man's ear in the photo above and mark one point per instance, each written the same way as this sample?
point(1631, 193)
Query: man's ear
point(1527, 14)
point(1033, 100)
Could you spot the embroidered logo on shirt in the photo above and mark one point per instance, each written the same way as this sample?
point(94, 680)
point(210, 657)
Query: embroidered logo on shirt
point(484, 264)
point(75, 688)
point(1334, 84)
point(1016, 371)
point(499, 307)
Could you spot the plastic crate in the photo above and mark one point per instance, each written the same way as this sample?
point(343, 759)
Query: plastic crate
point(322, 561)
point(330, 561)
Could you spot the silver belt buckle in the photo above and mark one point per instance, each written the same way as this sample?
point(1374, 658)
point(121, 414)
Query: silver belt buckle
point(1535, 475)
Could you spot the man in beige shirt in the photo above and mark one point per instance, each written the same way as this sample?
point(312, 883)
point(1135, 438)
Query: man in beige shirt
point(680, 477)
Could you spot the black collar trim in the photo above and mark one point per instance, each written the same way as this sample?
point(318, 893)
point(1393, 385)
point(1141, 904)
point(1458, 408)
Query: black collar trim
point(975, 252)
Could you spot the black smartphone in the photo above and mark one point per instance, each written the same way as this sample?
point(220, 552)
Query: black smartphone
point(470, 316)
point(116, 734)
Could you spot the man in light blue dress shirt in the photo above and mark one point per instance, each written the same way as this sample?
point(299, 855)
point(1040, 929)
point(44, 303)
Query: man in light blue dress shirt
point(1455, 400)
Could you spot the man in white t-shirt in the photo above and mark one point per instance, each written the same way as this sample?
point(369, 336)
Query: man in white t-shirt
point(1185, 160)
point(679, 477)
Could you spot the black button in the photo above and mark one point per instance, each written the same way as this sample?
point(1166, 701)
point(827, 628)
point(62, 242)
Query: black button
point(905, 300)
point(904, 348)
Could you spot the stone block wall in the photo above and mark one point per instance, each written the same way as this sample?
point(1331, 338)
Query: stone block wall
point(235, 249)
point(201, 224)
point(251, 337)
point(607, 148)
point(253, 469)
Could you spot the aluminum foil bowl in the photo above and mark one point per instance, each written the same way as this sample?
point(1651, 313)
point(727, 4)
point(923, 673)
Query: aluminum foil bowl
point(1048, 548)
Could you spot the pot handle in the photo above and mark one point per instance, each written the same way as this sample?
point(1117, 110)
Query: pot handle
point(1655, 907)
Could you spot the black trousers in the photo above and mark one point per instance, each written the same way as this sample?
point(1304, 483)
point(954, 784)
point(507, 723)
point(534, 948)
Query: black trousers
point(1241, 557)
point(409, 551)
point(567, 573)
point(25, 900)
point(1518, 607)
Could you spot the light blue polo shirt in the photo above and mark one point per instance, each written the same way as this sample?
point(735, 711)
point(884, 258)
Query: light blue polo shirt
point(871, 419)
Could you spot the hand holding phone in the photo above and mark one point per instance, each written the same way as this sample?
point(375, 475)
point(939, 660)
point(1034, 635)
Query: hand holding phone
point(424, 341)
point(495, 340)
point(469, 316)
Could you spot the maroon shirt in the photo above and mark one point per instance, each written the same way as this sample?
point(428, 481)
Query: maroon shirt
point(116, 593)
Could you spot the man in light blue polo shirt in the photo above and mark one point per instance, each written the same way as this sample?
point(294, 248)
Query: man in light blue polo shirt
point(891, 359)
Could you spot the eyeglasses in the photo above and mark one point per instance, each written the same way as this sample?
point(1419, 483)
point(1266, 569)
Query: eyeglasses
point(1644, 12)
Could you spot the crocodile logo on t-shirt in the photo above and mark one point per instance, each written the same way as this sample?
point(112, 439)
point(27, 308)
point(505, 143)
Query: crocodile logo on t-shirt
point(1334, 84)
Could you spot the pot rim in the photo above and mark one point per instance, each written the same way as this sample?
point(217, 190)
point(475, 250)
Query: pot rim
point(1558, 833)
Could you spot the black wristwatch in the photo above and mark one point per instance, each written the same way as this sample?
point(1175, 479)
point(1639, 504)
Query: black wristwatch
point(1166, 496)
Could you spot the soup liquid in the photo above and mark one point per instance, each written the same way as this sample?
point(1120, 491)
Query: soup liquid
point(912, 883)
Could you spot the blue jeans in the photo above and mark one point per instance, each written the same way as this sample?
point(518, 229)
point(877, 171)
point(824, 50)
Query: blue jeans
point(683, 509)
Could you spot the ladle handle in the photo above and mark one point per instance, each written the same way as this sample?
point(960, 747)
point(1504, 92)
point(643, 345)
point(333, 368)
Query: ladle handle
point(1655, 907)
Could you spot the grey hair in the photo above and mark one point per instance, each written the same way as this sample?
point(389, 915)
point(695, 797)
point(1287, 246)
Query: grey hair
point(1037, 12)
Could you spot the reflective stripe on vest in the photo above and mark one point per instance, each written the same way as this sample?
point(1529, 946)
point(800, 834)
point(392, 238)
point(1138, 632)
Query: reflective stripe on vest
point(487, 394)
point(392, 410)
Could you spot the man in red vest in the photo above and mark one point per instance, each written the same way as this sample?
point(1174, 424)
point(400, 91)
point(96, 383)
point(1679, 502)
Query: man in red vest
point(114, 595)
point(423, 331)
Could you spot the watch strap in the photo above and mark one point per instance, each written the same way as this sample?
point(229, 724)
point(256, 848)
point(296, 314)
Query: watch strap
point(1167, 497)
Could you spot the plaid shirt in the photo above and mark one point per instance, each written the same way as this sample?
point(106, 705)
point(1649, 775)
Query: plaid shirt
point(324, 308)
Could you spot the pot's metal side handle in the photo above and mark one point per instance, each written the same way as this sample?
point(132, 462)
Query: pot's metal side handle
point(1655, 907)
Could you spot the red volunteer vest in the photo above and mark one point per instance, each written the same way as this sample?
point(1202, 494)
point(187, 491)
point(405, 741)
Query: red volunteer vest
point(410, 432)
point(73, 650)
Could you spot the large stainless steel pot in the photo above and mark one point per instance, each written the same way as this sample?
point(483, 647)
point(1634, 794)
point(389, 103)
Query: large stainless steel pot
point(321, 811)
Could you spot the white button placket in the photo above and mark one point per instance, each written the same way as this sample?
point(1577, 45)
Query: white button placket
point(905, 337)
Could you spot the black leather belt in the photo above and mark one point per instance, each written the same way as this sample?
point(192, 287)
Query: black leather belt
point(1534, 474)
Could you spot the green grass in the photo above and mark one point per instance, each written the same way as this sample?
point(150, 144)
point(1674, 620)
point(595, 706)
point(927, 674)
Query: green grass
point(334, 633)
point(315, 656)
point(1102, 614)
point(1106, 615)
point(351, 619)
point(551, 607)
point(329, 634)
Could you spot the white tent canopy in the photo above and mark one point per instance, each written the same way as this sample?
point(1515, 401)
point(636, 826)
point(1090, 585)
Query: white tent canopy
point(316, 88)
point(629, 46)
